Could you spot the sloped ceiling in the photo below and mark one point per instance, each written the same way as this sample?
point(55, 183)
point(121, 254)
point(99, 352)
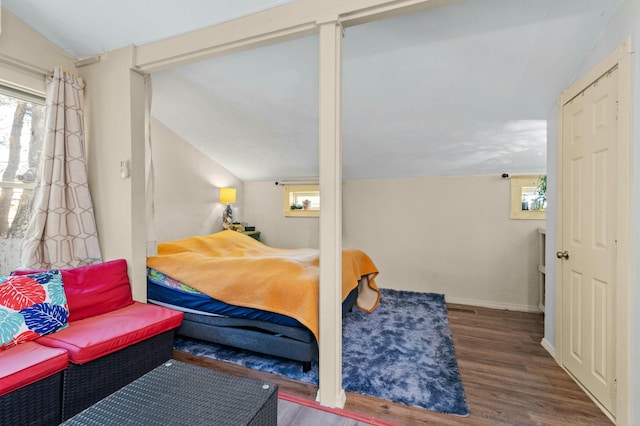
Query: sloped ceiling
point(85, 28)
point(459, 90)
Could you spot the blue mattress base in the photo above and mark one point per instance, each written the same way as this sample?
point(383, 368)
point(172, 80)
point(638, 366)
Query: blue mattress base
point(296, 343)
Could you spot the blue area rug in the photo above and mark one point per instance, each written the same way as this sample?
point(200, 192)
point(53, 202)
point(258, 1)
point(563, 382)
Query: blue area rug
point(401, 352)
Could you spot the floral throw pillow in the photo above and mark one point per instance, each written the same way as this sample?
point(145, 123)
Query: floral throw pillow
point(31, 306)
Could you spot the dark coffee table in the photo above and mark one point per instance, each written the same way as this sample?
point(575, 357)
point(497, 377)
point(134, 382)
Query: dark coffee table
point(177, 393)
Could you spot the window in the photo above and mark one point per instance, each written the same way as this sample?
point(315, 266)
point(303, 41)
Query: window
point(302, 200)
point(528, 197)
point(21, 139)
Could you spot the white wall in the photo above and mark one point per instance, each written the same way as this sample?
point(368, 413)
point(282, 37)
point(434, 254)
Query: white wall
point(264, 208)
point(24, 58)
point(186, 187)
point(625, 23)
point(449, 235)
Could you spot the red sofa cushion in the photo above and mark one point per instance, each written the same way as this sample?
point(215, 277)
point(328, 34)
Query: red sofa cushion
point(95, 337)
point(27, 363)
point(94, 289)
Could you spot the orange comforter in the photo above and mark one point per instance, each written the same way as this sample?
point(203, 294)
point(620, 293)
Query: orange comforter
point(239, 270)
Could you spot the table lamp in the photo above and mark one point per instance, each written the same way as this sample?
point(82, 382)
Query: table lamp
point(227, 196)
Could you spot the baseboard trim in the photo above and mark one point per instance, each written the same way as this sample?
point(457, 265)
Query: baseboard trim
point(493, 305)
point(545, 344)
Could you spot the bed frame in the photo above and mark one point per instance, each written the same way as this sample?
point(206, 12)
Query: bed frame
point(289, 342)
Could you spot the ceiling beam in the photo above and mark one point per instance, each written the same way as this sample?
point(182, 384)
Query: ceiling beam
point(289, 21)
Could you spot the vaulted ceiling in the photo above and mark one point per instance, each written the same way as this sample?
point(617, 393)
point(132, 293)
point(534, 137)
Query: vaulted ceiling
point(458, 90)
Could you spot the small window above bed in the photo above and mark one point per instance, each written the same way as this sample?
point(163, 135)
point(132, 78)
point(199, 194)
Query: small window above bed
point(528, 197)
point(302, 200)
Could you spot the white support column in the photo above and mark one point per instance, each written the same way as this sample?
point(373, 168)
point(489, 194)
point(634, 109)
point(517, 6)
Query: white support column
point(330, 392)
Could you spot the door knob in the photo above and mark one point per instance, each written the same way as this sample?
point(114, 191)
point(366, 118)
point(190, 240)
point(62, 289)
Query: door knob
point(562, 254)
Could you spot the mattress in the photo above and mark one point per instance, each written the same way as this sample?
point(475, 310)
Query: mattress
point(165, 291)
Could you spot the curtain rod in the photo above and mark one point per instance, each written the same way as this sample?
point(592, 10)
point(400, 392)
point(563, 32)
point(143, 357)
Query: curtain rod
point(298, 181)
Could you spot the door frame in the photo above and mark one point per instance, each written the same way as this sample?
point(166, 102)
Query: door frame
point(620, 58)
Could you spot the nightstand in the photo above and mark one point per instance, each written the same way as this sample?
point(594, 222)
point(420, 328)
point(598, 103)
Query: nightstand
point(253, 234)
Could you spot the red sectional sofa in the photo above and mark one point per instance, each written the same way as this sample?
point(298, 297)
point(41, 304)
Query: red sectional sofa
point(110, 341)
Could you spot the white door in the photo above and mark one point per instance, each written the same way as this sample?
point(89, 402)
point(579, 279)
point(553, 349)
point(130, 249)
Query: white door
point(589, 238)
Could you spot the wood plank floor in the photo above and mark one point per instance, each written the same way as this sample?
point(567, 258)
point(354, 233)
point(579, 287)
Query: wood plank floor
point(508, 377)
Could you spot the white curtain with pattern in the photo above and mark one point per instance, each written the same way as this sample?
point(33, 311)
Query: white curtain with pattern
point(62, 232)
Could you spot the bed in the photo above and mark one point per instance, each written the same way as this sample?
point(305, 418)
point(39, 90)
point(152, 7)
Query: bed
point(242, 293)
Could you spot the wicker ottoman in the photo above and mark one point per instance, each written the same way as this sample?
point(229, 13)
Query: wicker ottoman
point(177, 393)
